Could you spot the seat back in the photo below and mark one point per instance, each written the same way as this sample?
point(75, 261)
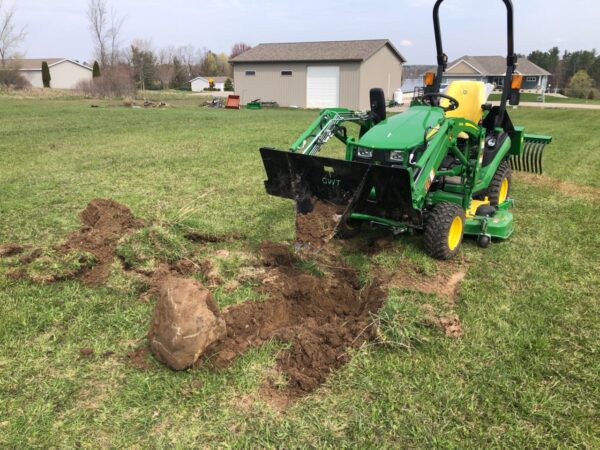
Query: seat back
point(470, 95)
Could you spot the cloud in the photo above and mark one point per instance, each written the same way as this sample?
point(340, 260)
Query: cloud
point(406, 43)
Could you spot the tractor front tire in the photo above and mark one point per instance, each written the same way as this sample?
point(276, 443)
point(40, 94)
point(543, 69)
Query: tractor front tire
point(499, 188)
point(444, 230)
point(347, 229)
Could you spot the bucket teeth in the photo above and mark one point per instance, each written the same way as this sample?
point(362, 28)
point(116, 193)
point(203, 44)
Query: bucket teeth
point(530, 160)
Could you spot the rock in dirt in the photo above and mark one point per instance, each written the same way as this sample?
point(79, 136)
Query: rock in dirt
point(318, 227)
point(7, 250)
point(186, 321)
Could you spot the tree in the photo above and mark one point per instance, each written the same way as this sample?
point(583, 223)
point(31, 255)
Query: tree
point(143, 63)
point(96, 70)
point(228, 86)
point(10, 36)
point(238, 49)
point(106, 28)
point(46, 74)
point(209, 65)
point(581, 84)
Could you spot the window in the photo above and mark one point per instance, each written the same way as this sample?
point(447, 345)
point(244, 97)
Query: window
point(531, 79)
point(250, 73)
point(286, 73)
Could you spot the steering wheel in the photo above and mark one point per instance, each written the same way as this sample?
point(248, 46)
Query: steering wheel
point(453, 102)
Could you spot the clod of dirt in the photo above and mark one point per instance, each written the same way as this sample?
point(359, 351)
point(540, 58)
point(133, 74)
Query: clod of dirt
point(103, 223)
point(31, 256)
point(86, 352)
point(321, 317)
point(186, 321)
point(317, 227)
point(197, 236)
point(274, 254)
point(7, 250)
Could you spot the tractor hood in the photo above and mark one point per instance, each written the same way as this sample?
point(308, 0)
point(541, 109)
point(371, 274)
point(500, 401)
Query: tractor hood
point(403, 131)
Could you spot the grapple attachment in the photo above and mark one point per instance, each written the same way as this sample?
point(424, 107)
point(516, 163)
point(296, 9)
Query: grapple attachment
point(345, 183)
point(530, 158)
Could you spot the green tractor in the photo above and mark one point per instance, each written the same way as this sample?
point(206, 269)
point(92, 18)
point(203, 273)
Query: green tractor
point(443, 166)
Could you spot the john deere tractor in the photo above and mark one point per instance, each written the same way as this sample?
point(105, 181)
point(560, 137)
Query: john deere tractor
point(443, 166)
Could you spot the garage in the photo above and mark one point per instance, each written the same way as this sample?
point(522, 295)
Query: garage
point(318, 75)
point(322, 86)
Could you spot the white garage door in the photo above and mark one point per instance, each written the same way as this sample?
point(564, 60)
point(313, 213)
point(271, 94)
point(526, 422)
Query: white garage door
point(322, 86)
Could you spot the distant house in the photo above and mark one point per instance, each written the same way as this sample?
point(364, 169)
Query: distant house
point(491, 69)
point(318, 74)
point(64, 73)
point(203, 82)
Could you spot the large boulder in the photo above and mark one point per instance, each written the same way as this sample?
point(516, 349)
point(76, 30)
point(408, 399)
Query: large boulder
point(186, 321)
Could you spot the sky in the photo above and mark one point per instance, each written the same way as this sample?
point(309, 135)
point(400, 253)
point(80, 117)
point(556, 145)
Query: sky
point(59, 28)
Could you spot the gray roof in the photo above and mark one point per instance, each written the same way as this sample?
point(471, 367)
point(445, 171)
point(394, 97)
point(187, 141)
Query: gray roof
point(496, 65)
point(316, 51)
point(215, 79)
point(36, 63)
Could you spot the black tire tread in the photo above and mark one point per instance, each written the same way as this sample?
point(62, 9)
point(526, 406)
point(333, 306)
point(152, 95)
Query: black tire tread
point(493, 191)
point(437, 227)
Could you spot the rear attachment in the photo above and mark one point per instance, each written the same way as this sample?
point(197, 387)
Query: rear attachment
point(344, 185)
point(530, 158)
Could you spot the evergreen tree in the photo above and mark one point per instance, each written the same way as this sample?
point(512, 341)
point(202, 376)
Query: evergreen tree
point(228, 86)
point(96, 70)
point(46, 74)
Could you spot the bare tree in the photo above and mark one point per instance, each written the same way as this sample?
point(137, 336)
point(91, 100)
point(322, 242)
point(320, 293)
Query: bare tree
point(238, 49)
point(10, 35)
point(106, 29)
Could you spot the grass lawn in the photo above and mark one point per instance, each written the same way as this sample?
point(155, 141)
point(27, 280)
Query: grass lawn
point(532, 97)
point(524, 374)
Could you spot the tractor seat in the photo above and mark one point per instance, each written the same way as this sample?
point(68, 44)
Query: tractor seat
point(471, 95)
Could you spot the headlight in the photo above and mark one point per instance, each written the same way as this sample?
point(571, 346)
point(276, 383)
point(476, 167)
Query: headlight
point(397, 156)
point(365, 152)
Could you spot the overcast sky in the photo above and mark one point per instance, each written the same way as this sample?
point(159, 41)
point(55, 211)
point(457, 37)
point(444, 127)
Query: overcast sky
point(59, 28)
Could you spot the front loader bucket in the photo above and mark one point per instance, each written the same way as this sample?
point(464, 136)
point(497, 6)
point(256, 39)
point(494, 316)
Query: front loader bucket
point(530, 159)
point(345, 183)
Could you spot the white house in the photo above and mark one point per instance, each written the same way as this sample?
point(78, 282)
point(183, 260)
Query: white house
point(203, 82)
point(64, 73)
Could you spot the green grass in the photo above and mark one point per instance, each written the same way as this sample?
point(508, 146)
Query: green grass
point(532, 97)
point(525, 373)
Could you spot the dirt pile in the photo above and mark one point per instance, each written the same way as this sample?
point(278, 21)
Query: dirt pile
point(321, 317)
point(7, 250)
point(317, 227)
point(186, 321)
point(103, 222)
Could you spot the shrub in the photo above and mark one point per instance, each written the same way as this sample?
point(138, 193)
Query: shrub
point(46, 74)
point(96, 70)
point(228, 86)
point(114, 82)
point(12, 79)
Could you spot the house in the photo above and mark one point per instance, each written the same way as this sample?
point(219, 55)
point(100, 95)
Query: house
point(318, 74)
point(203, 82)
point(64, 73)
point(491, 69)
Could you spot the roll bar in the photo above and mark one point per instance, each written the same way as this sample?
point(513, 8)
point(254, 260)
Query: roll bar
point(511, 58)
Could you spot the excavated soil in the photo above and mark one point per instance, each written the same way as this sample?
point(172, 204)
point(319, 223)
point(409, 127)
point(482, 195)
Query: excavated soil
point(317, 227)
point(321, 317)
point(103, 222)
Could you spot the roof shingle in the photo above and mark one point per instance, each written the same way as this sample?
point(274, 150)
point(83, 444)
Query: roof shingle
point(315, 51)
point(496, 65)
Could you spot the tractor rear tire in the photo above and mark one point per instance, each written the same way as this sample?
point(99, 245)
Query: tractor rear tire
point(444, 230)
point(347, 229)
point(499, 188)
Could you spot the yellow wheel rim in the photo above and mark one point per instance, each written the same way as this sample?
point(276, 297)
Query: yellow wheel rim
point(503, 195)
point(455, 233)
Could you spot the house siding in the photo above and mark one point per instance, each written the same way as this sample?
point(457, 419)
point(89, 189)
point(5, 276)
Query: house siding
point(269, 85)
point(383, 70)
point(64, 75)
